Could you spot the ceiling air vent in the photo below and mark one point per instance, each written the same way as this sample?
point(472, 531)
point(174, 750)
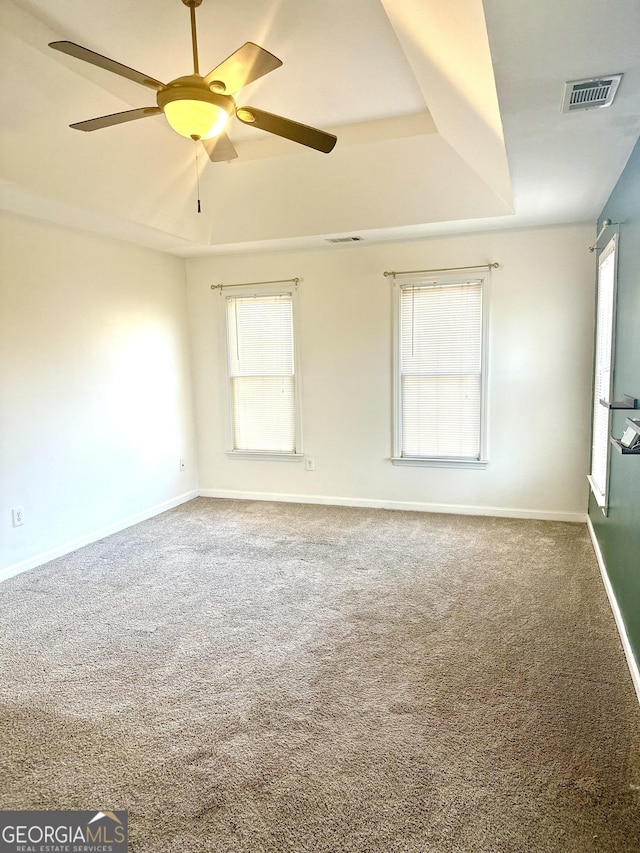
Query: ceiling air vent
point(590, 94)
point(343, 239)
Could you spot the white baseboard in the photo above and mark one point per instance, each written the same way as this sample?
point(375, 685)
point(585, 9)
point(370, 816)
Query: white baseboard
point(413, 506)
point(632, 663)
point(61, 550)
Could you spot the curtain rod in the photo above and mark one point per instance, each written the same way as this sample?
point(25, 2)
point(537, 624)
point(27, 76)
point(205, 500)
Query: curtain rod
point(254, 283)
point(492, 266)
point(606, 223)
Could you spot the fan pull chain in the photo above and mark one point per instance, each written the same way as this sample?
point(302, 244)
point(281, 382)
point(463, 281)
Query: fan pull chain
point(197, 176)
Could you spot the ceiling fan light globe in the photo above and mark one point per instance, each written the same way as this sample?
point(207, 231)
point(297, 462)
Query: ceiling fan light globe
point(196, 118)
point(193, 110)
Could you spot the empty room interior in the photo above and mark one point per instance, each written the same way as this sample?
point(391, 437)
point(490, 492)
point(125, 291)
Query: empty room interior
point(320, 424)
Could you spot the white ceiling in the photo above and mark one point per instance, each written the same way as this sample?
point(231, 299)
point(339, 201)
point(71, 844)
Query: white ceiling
point(447, 114)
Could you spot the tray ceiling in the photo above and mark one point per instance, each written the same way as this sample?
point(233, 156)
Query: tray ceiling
point(448, 117)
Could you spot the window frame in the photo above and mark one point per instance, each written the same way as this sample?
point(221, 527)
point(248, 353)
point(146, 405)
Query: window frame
point(257, 291)
point(451, 278)
point(602, 497)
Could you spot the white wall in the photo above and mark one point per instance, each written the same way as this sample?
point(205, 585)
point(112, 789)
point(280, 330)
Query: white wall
point(539, 400)
point(95, 389)
point(95, 383)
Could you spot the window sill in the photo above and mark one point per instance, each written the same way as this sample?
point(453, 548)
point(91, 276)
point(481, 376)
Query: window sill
point(426, 462)
point(601, 499)
point(265, 455)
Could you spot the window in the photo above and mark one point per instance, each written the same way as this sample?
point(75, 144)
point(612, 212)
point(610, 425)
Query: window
point(261, 360)
point(603, 364)
point(440, 371)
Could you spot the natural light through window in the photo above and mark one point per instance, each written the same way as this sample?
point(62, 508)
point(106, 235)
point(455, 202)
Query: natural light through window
point(262, 378)
point(599, 475)
point(440, 371)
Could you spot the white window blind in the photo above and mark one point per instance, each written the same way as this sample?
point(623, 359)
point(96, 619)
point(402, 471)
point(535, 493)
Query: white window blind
point(602, 372)
point(262, 373)
point(440, 375)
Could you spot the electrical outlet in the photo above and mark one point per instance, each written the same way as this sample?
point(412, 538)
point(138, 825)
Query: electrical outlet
point(183, 465)
point(17, 513)
point(309, 463)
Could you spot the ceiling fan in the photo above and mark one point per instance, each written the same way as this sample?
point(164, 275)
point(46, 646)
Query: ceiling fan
point(200, 107)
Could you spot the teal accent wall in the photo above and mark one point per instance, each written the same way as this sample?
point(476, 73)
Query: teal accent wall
point(618, 534)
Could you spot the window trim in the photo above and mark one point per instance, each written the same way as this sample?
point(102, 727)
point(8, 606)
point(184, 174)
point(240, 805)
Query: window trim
point(602, 498)
point(449, 278)
point(260, 290)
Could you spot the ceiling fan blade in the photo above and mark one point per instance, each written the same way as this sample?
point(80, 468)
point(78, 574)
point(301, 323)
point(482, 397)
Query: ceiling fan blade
point(220, 149)
point(115, 118)
point(244, 66)
point(293, 130)
point(87, 55)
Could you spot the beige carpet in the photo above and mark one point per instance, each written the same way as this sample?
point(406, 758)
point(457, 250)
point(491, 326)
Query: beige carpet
point(279, 678)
